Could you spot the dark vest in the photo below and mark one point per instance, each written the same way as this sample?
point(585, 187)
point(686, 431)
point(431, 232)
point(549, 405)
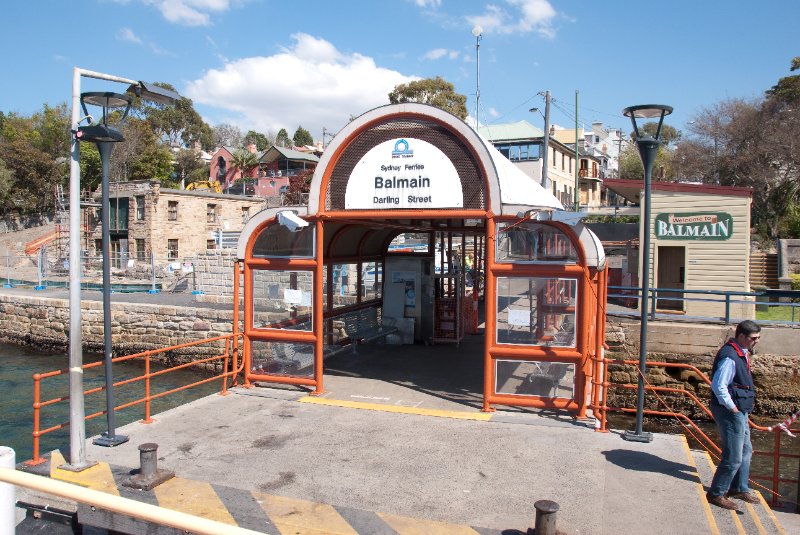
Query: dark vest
point(742, 390)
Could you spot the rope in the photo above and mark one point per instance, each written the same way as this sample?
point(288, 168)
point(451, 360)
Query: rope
point(784, 425)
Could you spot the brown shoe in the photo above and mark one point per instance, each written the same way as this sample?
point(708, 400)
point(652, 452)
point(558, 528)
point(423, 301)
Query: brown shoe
point(744, 496)
point(721, 501)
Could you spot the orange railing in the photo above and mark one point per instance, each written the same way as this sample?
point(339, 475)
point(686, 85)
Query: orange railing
point(231, 367)
point(777, 455)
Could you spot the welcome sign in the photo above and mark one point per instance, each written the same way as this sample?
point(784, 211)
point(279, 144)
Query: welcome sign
point(711, 226)
point(404, 173)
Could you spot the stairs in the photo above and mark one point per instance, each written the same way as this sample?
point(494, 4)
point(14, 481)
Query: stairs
point(750, 519)
point(763, 270)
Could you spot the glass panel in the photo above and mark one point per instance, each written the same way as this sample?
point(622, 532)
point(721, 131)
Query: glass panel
point(534, 242)
point(410, 242)
point(277, 241)
point(536, 311)
point(535, 378)
point(282, 358)
point(345, 279)
point(283, 299)
point(371, 280)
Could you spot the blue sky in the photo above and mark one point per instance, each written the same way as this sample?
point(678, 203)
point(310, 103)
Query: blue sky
point(266, 64)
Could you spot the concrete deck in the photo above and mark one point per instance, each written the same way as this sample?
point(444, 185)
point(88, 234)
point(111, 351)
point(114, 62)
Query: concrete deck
point(388, 441)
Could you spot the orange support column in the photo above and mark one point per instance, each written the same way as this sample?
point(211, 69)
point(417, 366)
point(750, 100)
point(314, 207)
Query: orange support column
point(318, 312)
point(490, 313)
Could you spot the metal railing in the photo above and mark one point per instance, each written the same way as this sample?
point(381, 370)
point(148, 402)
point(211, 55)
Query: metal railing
point(229, 370)
point(777, 453)
point(627, 298)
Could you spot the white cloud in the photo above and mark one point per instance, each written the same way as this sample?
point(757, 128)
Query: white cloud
point(428, 3)
point(526, 16)
point(439, 53)
point(126, 34)
point(310, 84)
point(189, 12)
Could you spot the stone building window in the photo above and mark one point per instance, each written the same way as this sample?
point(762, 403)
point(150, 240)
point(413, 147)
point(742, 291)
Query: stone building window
point(140, 208)
point(211, 245)
point(211, 213)
point(172, 210)
point(245, 214)
point(140, 256)
point(172, 249)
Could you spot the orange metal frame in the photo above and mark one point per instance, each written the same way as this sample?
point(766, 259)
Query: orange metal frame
point(229, 370)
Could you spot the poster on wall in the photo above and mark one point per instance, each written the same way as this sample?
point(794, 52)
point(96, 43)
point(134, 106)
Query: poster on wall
point(708, 226)
point(404, 173)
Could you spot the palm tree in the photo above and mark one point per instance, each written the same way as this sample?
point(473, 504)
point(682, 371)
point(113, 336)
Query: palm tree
point(244, 161)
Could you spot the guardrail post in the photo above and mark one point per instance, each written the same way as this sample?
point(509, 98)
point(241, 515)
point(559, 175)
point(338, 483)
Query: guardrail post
point(147, 412)
point(8, 493)
point(153, 289)
point(8, 272)
point(727, 307)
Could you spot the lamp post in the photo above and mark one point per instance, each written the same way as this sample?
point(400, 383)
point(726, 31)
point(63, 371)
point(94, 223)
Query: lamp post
point(477, 31)
point(77, 459)
point(545, 138)
point(648, 150)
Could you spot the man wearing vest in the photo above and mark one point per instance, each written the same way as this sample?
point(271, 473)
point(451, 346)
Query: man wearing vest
point(732, 400)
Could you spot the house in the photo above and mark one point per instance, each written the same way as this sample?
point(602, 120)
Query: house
point(523, 143)
point(223, 170)
point(169, 223)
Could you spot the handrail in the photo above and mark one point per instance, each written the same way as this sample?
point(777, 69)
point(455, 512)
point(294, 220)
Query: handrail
point(776, 453)
point(125, 506)
point(146, 377)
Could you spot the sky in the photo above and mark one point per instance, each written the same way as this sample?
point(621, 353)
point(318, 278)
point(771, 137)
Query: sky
point(265, 65)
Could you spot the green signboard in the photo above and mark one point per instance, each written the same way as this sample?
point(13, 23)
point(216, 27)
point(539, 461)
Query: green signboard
point(705, 226)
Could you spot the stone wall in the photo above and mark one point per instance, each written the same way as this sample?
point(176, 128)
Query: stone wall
point(44, 323)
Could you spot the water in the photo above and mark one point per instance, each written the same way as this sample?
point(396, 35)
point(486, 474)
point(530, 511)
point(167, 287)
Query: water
point(16, 383)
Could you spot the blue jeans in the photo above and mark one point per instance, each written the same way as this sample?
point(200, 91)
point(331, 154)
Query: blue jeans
point(734, 468)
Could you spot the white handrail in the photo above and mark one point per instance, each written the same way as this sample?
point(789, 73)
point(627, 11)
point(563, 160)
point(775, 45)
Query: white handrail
point(125, 506)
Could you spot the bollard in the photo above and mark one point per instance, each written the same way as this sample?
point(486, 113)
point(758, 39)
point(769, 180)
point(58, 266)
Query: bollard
point(149, 475)
point(8, 498)
point(545, 518)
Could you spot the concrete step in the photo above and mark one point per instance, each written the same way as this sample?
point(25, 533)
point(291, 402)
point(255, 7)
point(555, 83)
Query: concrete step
point(750, 519)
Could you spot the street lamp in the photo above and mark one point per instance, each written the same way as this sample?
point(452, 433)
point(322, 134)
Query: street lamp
point(648, 149)
point(77, 447)
point(477, 31)
point(546, 138)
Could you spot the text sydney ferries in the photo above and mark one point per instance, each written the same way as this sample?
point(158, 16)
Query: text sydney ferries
point(404, 173)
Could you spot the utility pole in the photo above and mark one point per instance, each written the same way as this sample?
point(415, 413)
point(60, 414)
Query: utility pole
point(477, 31)
point(577, 161)
point(545, 183)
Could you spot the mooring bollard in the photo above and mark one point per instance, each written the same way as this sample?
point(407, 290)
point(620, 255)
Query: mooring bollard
point(8, 499)
point(149, 475)
point(545, 518)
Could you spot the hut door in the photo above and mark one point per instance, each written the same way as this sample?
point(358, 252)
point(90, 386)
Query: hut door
point(671, 272)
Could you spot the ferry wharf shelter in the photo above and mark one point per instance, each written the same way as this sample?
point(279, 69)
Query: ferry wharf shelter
point(413, 218)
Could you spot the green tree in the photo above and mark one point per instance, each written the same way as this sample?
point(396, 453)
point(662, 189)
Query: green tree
point(260, 140)
point(6, 187)
point(299, 185)
point(787, 89)
point(302, 137)
point(34, 175)
point(282, 139)
point(187, 161)
point(178, 124)
point(434, 91)
point(244, 161)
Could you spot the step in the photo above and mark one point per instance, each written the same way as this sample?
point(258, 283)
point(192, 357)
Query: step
point(750, 519)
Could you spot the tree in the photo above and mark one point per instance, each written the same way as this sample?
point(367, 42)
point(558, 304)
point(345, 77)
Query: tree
point(187, 161)
point(226, 135)
point(299, 185)
point(6, 187)
point(787, 90)
point(178, 123)
point(302, 137)
point(434, 91)
point(282, 139)
point(258, 139)
point(34, 175)
point(244, 161)
point(630, 163)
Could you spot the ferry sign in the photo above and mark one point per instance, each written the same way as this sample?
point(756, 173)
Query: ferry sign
point(404, 173)
point(699, 226)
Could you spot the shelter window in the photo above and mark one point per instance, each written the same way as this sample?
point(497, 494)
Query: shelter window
point(282, 358)
point(410, 242)
point(535, 378)
point(536, 311)
point(345, 292)
point(372, 280)
point(283, 299)
point(276, 241)
point(534, 243)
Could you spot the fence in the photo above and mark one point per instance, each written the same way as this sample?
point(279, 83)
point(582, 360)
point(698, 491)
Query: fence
point(770, 306)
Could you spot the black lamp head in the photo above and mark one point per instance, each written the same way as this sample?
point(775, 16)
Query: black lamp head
point(102, 132)
point(647, 111)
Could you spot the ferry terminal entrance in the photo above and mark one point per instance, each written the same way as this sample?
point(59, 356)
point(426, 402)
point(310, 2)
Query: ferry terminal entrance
point(412, 219)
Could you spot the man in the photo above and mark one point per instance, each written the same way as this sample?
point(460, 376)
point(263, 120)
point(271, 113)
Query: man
point(732, 400)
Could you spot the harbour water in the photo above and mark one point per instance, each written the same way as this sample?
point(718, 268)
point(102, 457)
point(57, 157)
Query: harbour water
point(16, 384)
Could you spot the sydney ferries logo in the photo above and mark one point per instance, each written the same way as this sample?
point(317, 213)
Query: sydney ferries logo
point(401, 150)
